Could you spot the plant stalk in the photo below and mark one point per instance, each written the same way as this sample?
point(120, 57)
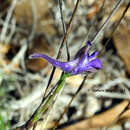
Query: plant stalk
point(43, 108)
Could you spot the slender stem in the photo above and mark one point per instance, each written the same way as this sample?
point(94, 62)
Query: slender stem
point(67, 107)
point(35, 20)
point(53, 70)
point(7, 20)
point(42, 109)
point(93, 40)
point(2, 124)
point(64, 29)
point(107, 21)
point(113, 31)
point(61, 46)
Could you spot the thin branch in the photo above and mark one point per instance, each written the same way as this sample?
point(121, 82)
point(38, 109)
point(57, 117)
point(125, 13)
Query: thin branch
point(6, 23)
point(64, 29)
point(59, 53)
point(94, 23)
point(123, 111)
point(110, 95)
point(67, 107)
point(18, 29)
point(33, 30)
point(61, 46)
point(12, 31)
point(113, 31)
point(93, 40)
point(68, 58)
point(107, 21)
point(35, 19)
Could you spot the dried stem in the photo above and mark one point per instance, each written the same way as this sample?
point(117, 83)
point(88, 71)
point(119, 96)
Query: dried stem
point(95, 37)
point(106, 22)
point(67, 107)
point(64, 29)
point(58, 55)
point(6, 23)
point(34, 13)
point(113, 31)
point(61, 46)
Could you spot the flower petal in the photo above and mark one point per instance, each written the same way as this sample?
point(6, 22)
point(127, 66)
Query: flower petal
point(96, 63)
point(91, 66)
point(65, 66)
point(93, 54)
point(89, 43)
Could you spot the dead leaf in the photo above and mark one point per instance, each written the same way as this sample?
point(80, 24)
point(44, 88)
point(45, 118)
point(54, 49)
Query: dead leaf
point(122, 43)
point(106, 118)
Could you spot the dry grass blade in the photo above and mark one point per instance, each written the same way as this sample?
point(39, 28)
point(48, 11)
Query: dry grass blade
point(61, 46)
point(34, 13)
point(97, 34)
point(67, 107)
point(100, 51)
point(58, 55)
point(117, 24)
point(64, 29)
point(59, 51)
point(6, 23)
point(106, 22)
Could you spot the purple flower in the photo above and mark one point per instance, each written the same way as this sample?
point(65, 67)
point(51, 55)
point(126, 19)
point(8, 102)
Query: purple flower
point(81, 63)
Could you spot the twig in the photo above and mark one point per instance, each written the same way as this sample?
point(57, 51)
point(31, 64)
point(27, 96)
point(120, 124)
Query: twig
point(61, 46)
point(13, 23)
point(68, 58)
point(43, 108)
point(113, 31)
point(64, 29)
point(32, 33)
point(67, 107)
point(6, 23)
point(35, 18)
point(94, 23)
point(18, 29)
point(111, 95)
point(114, 82)
point(93, 40)
point(106, 22)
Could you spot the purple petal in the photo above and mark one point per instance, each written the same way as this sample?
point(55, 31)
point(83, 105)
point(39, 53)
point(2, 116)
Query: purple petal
point(89, 43)
point(65, 66)
point(93, 54)
point(91, 66)
point(83, 51)
point(96, 63)
point(83, 70)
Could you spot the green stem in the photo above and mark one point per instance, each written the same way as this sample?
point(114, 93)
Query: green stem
point(2, 125)
point(49, 100)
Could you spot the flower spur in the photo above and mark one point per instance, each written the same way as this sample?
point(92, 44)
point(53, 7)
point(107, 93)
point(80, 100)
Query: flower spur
point(81, 63)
